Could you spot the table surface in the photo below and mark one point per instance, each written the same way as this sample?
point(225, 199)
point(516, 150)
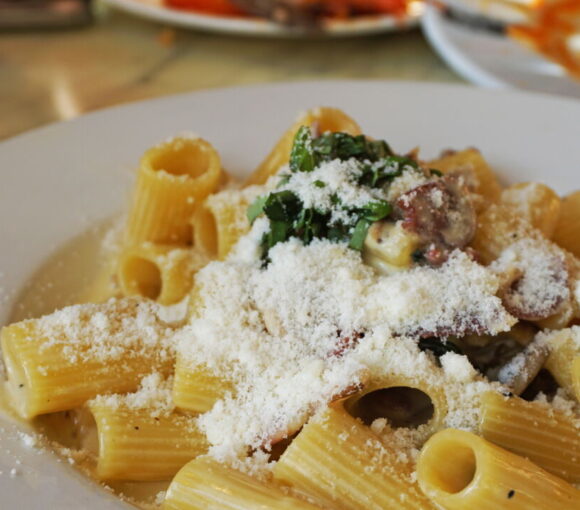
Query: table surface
point(51, 76)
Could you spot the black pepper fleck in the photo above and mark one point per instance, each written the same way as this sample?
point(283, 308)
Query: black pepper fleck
point(511, 494)
point(136, 427)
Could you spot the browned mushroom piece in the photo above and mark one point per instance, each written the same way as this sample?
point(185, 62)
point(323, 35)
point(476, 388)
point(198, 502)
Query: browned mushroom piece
point(542, 285)
point(521, 370)
point(441, 214)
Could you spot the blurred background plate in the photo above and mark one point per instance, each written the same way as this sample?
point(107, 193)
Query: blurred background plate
point(361, 25)
point(490, 59)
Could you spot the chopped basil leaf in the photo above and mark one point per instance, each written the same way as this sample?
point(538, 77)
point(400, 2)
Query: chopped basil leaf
point(282, 206)
point(289, 218)
point(256, 208)
point(375, 211)
point(438, 346)
point(302, 157)
point(359, 234)
point(436, 172)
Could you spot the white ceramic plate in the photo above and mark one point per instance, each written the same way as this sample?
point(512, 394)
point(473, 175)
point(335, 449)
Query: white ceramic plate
point(364, 25)
point(57, 181)
point(493, 60)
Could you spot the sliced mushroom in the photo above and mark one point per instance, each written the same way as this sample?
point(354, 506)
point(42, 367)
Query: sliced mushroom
point(541, 279)
point(522, 369)
point(441, 214)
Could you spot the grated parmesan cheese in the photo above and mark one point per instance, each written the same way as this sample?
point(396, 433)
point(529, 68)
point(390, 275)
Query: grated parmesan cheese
point(154, 395)
point(108, 331)
point(277, 333)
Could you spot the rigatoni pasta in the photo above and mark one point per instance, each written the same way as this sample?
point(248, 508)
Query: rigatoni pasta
point(342, 463)
point(60, 361)
point(321, 119)
point(345, 329)
point(460, 470)
point(172, 179)
point(205, 484)
point(139, 444)
point(197, 390)
point(546, 436)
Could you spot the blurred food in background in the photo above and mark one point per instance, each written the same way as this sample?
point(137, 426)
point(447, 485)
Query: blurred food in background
point(549, 27)
point(553, 29)
point(23, 14)
point(295, 12)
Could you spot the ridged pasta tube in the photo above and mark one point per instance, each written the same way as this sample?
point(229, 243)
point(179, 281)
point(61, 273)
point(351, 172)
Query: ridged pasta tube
point(537, 203)
point(204, 484)
point(340, 462)
point(61, 360)
point(173, 178)
point(137, 444)
point(323, 119)
point(487, 183)
point(544, 435)
point(564, 349)
point(197, 389)
point(460, 470)
point(567, 231)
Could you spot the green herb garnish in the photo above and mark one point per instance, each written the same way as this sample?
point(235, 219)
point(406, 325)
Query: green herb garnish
point(438, 347)
point(288, 217)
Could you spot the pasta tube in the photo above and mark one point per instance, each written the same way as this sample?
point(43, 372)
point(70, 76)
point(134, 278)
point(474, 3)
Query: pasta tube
point(61, 360)
point(221, 220)
point(564, 350)
point(204, 484)
point(389, 247)
point(535, 202)
point(567, 232)
point(460, 470)
point(197, 389)
point(159, 272)
point(138, 444)
point(487, 183)
point(576, 377)
point(172, 179)
point(323, 119)
point(544, 435)
point(340, 462)
point(498, 227)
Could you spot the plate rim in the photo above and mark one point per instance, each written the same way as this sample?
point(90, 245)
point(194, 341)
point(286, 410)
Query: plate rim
point(453, 56)
point(257, 27)
point(136, 103)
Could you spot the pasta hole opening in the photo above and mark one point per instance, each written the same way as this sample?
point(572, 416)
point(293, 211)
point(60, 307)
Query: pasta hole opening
point(141, 277)
point(88, 432)
point(205, 234)
point(187, 158)
point(402, 406)
point(456, 472)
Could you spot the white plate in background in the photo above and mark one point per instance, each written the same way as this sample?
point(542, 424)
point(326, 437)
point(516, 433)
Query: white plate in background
point(253, 26)
point(494, 60)
point(57, 181)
